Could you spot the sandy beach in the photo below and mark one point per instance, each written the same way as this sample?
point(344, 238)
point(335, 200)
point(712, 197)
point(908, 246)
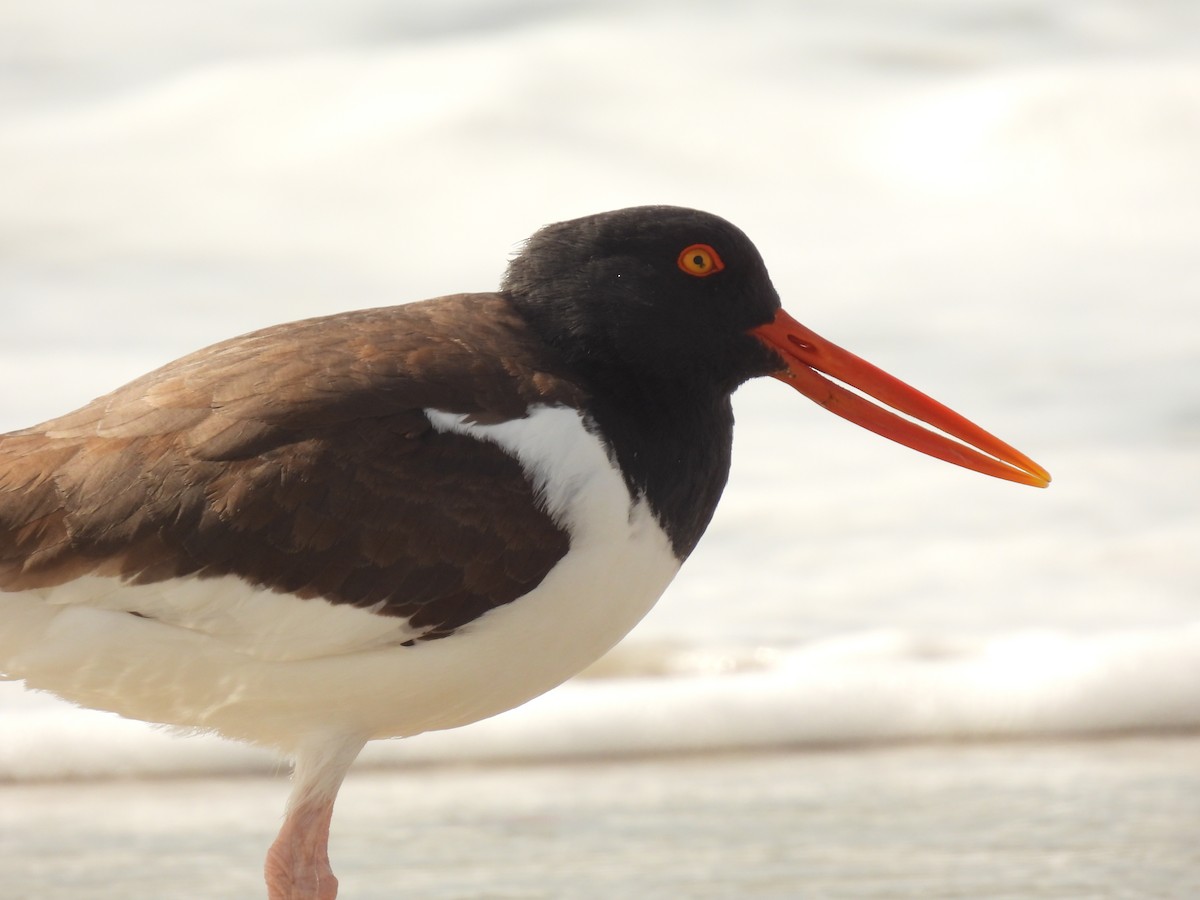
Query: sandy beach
point(1104, 818)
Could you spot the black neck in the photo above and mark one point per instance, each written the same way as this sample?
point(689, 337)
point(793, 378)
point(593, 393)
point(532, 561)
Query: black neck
point(673, 445)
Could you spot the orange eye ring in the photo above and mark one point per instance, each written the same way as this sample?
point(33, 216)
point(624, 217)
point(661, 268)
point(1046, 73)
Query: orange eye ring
point(700, 260)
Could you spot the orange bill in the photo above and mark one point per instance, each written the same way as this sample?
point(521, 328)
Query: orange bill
point(808, 355)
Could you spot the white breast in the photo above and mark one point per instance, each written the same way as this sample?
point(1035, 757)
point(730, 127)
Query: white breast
point(273, 668)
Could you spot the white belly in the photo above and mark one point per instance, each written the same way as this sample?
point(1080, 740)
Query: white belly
point(218, 655)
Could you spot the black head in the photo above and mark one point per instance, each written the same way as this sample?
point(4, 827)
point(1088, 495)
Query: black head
point(652, 293)
point(662, 312)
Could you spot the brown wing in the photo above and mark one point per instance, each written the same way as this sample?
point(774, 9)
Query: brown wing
point(298, 458)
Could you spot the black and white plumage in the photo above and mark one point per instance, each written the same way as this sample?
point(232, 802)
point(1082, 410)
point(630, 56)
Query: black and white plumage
point(384, 522)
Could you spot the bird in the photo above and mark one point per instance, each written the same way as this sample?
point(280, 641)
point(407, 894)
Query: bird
point(388, 521)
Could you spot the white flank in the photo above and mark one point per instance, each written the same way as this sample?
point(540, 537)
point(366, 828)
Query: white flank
point(218, 655)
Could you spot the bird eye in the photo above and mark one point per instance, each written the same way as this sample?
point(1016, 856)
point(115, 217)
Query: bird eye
point(700, 260)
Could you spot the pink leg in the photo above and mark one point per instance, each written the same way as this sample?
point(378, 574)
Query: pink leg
point(298, 862)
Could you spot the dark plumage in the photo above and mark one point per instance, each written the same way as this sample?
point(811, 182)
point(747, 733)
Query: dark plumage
point(296, 458)
point(263, 538)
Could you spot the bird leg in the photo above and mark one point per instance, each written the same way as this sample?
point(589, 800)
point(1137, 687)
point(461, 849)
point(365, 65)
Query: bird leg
point(297, 866)
point(298, 862)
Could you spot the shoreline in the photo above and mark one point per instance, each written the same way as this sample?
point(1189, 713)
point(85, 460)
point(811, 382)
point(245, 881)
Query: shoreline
point(1017, 818)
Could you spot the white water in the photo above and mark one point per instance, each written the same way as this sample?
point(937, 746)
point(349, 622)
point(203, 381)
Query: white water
point(999, 202)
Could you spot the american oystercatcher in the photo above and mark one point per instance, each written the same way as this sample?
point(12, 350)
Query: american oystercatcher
point(378, 523)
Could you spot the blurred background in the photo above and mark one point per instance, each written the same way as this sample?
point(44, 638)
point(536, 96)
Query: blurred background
point(998, 202)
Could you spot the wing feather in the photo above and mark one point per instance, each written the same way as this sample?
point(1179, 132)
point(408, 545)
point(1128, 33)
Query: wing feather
point(299, 459)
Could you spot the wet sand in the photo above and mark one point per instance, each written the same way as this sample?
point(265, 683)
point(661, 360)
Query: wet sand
point(1106, 818)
